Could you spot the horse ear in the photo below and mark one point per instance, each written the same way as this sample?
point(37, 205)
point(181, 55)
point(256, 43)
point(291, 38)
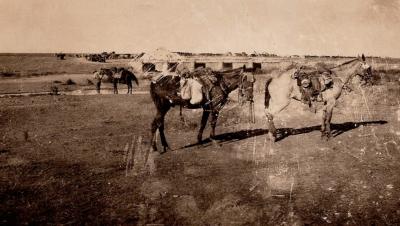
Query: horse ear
point(363, 57)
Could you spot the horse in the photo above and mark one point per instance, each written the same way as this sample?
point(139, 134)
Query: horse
point(280, 89)
point(168, 86)
point(127, 77)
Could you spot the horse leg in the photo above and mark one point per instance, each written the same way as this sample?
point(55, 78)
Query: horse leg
point(329, 112)
point(271, 126)
point(129, 88)
point(158, 123)
point(323, 125)
point(326, 119)
point(204, 119)
point(269, 113)
point(162, 137)
point(154, 127)
point(214, 118)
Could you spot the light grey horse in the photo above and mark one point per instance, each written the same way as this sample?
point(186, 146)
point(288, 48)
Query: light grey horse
point(280, 89)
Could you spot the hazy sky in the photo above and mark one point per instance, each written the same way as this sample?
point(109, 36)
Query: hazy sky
point(322, 27)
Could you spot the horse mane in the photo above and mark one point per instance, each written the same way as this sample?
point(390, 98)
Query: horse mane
point(228, 73)
point(230, 70)
point(313, 70)
point(345, 63)
point(169, 80)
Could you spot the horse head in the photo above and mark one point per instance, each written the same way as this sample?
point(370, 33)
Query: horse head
point(365, 71)
point(357, 67)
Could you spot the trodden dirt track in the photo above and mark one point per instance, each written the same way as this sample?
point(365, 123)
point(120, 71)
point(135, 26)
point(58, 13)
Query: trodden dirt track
point(80, 159)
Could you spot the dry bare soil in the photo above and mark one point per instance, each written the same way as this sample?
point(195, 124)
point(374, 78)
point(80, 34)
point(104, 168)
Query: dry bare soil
point(81, 160)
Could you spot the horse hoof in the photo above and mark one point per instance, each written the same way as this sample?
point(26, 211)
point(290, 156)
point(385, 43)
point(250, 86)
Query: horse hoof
point(325, 137)
point(216, 144)
point(272, 137)
point(165, 149)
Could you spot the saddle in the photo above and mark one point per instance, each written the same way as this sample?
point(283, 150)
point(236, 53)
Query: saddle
point(312, 82)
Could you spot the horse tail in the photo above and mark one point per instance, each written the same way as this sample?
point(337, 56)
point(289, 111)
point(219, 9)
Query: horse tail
point(267, 94)
point(132, 76)
point(135, 79)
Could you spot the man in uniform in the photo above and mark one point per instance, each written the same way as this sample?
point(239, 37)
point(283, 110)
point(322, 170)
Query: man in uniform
point(98, 77)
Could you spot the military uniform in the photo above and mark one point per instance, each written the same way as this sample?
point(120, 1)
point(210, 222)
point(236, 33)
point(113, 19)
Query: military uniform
point(98, 77)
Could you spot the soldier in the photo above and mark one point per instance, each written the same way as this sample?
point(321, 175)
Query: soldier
point(98, 77)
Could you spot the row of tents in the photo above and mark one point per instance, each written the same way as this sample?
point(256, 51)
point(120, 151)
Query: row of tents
point(158, 54)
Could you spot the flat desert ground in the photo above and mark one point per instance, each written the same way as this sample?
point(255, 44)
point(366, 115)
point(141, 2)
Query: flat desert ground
point(79, 159)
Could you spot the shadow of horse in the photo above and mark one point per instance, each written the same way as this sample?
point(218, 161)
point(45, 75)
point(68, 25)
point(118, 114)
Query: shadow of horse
point(337, 129)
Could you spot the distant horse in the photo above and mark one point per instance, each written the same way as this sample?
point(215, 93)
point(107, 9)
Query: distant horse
point(104, 74)
point(127, 77)
point(280, 89)
point(169, 85)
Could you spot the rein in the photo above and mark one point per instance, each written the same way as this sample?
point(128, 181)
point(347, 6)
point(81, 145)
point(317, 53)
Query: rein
point(345, 63)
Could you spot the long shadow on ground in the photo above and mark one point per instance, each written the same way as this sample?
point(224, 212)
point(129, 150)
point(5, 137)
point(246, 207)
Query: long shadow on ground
point(282, 133)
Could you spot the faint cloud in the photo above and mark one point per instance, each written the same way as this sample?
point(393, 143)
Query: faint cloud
point(146, 6)
point(387, 4)
point(390, 9)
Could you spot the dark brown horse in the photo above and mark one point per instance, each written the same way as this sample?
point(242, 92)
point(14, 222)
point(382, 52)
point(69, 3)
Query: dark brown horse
point(127, 77)
point(168, 86)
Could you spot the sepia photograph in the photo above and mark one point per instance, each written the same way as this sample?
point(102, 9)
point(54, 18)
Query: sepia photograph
point(200, 112)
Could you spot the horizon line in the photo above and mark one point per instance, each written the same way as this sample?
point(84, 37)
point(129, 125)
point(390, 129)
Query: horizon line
point(272, 54)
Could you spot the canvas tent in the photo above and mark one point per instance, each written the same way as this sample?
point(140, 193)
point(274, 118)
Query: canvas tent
point(159, 58)
point(161, 55)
